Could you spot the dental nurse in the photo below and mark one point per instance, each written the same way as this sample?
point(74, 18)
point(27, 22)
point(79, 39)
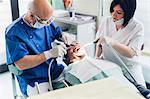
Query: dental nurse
point(124, 33)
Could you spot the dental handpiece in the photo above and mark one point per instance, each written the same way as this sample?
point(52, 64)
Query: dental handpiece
point(68, 46)
point(93, 42)
point(96, 40)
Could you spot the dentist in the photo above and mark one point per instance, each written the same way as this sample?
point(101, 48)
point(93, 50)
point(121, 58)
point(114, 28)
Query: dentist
point(124, 33)
point(28, 45)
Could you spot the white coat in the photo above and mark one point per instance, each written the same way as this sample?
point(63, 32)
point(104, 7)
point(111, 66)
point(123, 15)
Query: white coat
point(131, 36)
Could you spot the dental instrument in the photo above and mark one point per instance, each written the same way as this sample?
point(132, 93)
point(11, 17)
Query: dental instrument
point(90, 43)
point(145, 92)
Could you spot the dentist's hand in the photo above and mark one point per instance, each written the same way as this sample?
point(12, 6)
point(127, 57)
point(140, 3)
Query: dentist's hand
point(57, 51)
point(67, 39)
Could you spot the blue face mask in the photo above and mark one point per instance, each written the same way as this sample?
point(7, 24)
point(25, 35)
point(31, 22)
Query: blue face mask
point(42, 23)
point(38, 25)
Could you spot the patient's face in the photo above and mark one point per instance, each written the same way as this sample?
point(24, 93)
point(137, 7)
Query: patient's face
point(74, 53)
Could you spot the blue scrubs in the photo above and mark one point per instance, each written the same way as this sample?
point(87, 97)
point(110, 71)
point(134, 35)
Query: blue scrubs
point(22, 40)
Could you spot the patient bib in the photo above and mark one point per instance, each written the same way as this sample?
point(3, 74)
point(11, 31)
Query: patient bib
point(84, 70)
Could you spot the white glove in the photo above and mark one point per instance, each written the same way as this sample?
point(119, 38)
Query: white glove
point(67, 39)
point(57, 51)
point(105, 40)
point(81, 52)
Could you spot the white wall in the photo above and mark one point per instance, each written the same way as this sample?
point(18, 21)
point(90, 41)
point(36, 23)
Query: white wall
point(143, 14)
point(87, 6)
point(91, 7)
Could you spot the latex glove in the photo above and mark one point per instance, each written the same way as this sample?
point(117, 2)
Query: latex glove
point(67, 39)
point(57, 51)
point(105, 40)
point(81, 52)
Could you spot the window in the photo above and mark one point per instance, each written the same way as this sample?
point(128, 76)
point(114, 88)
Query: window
point(23, 6)
point(5, 20)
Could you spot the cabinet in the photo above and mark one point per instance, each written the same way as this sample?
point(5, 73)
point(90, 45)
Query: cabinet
point(83, 29)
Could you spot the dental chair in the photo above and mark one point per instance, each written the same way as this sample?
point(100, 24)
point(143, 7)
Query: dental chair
point(16, 89)
point(15, 71)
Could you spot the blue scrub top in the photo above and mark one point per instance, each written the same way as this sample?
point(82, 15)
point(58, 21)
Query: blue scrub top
point(22, 40)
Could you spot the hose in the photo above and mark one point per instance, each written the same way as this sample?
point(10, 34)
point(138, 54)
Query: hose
point(145, 92)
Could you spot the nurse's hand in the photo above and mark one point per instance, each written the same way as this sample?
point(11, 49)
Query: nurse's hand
point(105, 40)
point(55, 52)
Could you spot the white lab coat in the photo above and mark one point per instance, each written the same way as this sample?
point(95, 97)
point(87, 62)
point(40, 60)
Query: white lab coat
point(132, 36)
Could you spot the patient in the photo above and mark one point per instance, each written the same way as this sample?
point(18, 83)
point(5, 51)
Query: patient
point(74, 53)
point(82, 69)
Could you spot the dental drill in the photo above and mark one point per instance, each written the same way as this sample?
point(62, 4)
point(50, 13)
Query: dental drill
point(90, 43)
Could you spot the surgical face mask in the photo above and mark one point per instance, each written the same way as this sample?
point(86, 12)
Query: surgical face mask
point(42, 22)
point(119, 22)
point(38, 25)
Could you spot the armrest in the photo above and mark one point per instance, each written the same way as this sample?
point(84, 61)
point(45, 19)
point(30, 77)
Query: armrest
point(13, 69)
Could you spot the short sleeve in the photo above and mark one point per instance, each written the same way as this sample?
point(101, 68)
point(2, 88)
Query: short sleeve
point(56, 30)
point(15, 50)
point(138, 40)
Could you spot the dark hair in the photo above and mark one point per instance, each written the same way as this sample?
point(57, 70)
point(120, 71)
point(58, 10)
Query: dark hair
point(66, 60)
point(128, 6)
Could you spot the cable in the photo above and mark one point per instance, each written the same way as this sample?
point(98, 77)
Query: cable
point(145, 92)
point(49, 75)
point(65, 83)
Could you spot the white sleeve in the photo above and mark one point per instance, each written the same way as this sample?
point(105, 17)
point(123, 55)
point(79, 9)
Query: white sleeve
point(138, 40)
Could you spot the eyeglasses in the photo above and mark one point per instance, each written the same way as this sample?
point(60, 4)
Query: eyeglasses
point(43, 21)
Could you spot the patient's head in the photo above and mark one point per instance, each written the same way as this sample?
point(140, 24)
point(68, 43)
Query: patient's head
point(74, 53)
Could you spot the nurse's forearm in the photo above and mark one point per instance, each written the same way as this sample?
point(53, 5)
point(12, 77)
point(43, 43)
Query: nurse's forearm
point(123, 49)
point(98, 51)
point(30, 61)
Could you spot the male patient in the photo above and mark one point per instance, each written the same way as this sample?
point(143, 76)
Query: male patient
point(82, 69)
